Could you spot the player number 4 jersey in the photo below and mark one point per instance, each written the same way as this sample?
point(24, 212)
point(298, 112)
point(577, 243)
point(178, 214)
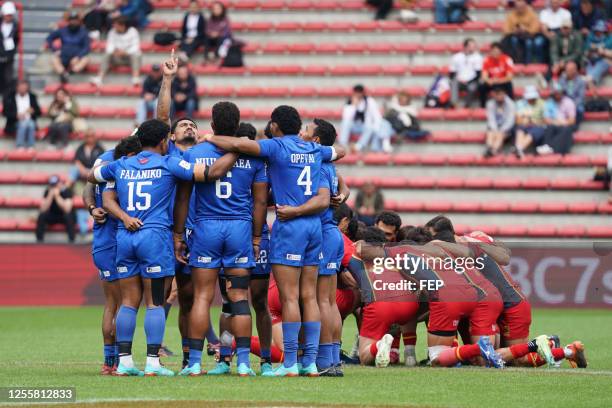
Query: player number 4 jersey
point(145, 185)
point(294, 166)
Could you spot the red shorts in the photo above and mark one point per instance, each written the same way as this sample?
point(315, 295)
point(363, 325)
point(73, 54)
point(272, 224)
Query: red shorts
point(274, 304)
point(483, 320)
point(344, 300)
point(377, 317)
point(444, 316)
point(514, 322)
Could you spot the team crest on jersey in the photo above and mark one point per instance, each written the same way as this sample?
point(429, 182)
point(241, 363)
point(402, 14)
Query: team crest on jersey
point(185, 165)
point(144, 160)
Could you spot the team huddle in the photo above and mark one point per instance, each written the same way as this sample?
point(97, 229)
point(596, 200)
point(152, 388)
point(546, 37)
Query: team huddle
point(180, 213)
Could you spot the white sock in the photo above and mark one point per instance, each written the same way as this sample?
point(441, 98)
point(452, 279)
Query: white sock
point(126, 361)
point(409, 350)
point(153, 362)
point(568, 352)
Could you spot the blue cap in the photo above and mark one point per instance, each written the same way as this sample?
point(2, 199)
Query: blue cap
point(53, 180)
point(600, 26)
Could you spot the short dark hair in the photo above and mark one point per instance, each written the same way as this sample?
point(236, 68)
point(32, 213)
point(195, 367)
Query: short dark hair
point(288, 119)
point(359, 88)
point(246, 129)
point(179, 120)
point(126, 146)
point(497, 45)
point(467, 41)
point(152, 132)
point(442, 227)
point(325, 131)
point(389, 218)
point(120, 20)
point(352, 229)
point(374, 235)
point(268, 131)
point(225, 118)
point(412, 234)
point(343, 211)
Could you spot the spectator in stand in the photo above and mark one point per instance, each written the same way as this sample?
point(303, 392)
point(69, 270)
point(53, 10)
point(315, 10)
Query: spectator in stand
point(383, 8)
point(598, 53)
point(565, 46)
point(560, 118)
point(62, 112)
point(85, 157)
point(400, 119)
point(217, 29)
point(522, 31)
point(122, 48)
point(464, 72)
point(368, 203)
point(193, 31)
point(72, 57)
point(135, 11)
point(9, 38)
point(530, 126)
point(586, 17)
point(450, 11)
point(56, 208)
point(150, 90)
point(96, 20)
point(501, 114)
point(553, 17)
point(184, 92)
point(21, 111)
point(497, 70)
point(575, 88)
point(361, 115)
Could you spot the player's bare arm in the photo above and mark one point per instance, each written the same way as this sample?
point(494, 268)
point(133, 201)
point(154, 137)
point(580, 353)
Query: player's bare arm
point(89, 198)
point(260, 208)
point(220, 167)
point(343, 193)
point(235, 144)
point(164, 99)
point(181, 209)
point(315, 205)
point(109, 200)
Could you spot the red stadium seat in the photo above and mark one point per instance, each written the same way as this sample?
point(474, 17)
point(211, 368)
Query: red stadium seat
point(450, 182)
point(536, 183)
point(564, 184)
point(315, 70)
point(422, 182)
point(435, 47)
point(542, 231)
point(8, 225)
point(366, 26)
point(406, 159)
point(461, 159)
point(342, 70)
point(249, 91)
point(438, 206)
point(586, 137)
point(377, 159)
point(479, 183)
point(575, 160)
point(508, 183)
point(424, 70)
point(553, 207)
point(571, 231)
point(112, 90)
point(277, 91)
point(380, 48)
point(491, 230)
point(409, 206)
point(393, 182)
point(444, 136)
point(9, 177)
point(512, 231)
point(301, 48)
point(586, 207)
point(467, 206)
point(303, 91)
point(524, 207)
point(256, 26)
point(350, 159)
point(221, 91)
point(37, 177)
point(433, 160)
point(599, 231)
point(407, 48)
point(314, 26)
point(495, 206)
point(20, 202)
point(604, 208)
point(590, 185)
point(49, 155)
point(20, 155)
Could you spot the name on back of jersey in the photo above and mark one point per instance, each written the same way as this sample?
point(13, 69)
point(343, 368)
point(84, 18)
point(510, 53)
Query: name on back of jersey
point(209, 161)
point(302, 158)
point(128, 174)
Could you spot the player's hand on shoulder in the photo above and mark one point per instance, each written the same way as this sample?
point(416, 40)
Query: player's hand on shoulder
point(132, 223)
point(336, 200)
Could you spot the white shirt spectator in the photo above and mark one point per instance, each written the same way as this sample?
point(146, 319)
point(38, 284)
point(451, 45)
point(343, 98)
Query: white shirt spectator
point(9, 43)
point(192, 25)
point(23, 104)
point(466, 66)
point(129, 41)
point(554, 19)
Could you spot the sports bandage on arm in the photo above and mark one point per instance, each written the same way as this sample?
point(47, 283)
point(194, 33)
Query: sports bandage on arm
point(98, 174)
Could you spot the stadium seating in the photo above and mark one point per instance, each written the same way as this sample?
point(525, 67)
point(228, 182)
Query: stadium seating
point(311, 52)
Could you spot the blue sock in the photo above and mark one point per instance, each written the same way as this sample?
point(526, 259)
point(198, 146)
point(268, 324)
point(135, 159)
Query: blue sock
point(324, 358)
point(155, 325)
point(109, 355)
point(211, 336)
point(243, 348)
point(336, 353)
point(195, 351)
point(291, 330)
point(312, 332)
point(225, 354)
point(126, 324)
point(185, 348)
point(116, 351)
point(266, 354)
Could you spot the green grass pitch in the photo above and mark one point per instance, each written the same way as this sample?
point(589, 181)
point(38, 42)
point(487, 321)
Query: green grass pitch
point(41, 347)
